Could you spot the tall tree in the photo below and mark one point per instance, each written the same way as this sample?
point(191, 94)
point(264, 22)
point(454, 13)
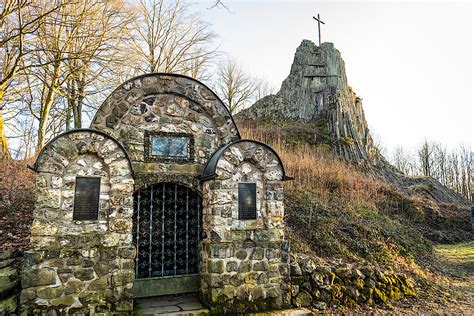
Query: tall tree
point(234, 85)
point(425, 156)
point(166, 37)
point(95, 51)
point(76, 47)
point(18, 20)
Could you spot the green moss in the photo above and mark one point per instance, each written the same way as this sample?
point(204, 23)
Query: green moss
point(359, 283)
point(8, 305)
point(348, 141)
point(379, 296)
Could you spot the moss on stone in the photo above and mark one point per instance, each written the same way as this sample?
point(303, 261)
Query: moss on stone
point(9, 305)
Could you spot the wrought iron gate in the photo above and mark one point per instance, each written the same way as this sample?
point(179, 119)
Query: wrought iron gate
point(166, 233)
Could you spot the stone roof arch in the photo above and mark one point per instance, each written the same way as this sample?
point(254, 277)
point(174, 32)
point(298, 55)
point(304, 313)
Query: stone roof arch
point(260, 154)
point(56, 155)
point(120, 101)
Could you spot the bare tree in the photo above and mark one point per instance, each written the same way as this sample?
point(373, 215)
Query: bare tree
point(425, 156)
point(451, 168)
point(440, 164)
point(95, 51)
point(263, 88)
point(166, 37)
point(219, 4)
point(234, 85)
point(18, 20)
point(466, 174)
point(402, 160)
point(76, 46)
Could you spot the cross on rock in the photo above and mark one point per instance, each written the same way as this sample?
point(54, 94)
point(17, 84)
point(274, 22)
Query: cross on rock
point(319, 27)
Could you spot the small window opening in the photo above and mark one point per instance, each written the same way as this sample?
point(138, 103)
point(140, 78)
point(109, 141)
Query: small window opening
point(86, 198)
point(247, 201)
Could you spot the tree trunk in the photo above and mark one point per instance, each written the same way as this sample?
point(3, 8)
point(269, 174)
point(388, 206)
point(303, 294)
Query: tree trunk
point(48, 102)
point(4, 153)
point(80, 84)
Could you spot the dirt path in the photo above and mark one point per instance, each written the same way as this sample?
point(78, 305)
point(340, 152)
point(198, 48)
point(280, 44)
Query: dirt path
point(456, 264)
point(453, 276)
point(449, 288)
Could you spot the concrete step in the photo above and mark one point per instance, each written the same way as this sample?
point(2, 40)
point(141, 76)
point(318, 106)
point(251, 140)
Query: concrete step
point(189, 305)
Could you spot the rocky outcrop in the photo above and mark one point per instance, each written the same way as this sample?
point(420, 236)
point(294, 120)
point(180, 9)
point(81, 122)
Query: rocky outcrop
point(316, 91)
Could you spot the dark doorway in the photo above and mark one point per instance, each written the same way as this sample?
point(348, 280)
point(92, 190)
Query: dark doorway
point(166, 233)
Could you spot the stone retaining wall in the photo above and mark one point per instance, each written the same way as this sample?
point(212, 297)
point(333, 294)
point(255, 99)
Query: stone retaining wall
point(324, 286)
point(10, 262)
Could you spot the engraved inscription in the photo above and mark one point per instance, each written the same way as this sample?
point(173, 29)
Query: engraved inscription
point(247, 201)
point(86, 198)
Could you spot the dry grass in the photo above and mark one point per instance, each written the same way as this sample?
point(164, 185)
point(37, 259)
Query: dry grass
point(17, 184)
point(337, 210)
point(329, 179)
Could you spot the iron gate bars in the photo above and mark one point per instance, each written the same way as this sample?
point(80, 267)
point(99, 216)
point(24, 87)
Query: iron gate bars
point(166, 230)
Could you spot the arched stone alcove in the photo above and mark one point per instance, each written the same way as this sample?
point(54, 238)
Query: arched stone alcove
point(81, 261)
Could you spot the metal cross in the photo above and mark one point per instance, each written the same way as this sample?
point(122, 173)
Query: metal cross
point(319, 27)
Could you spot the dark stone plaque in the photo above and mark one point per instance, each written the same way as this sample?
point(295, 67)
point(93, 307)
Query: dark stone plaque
point(86, 198)
point(247, 201)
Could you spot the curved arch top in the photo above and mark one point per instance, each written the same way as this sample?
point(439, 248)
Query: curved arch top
point(62, 151)
point(134, 89)
point(209, 171)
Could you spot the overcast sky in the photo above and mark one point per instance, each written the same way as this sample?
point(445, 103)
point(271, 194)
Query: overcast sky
point(411, 62)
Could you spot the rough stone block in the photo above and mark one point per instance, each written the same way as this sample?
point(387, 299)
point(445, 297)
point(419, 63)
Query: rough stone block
point(64, 301)
point(241, 254)
point(9, 305)
point(232, 266)
point(258, 254)
point(99, 284)
point(49, 292)
point(215, 266)
point(122, 277)
point(245, 266)
point(73, 286)
point(84, 274)
point(38, 277)
point(260, 266)
point(303, 299)
point(9, 280)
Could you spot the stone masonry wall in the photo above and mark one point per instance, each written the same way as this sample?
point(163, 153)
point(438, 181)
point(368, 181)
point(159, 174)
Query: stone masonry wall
point(10, 286)
point(329, 285)
point(169, 104)
point(245, 262)
point(80, 266)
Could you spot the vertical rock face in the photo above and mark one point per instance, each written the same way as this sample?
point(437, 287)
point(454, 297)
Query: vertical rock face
point(316, 90)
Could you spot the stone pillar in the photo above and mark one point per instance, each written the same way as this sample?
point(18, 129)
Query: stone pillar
point(244, 262)
point(80, 266)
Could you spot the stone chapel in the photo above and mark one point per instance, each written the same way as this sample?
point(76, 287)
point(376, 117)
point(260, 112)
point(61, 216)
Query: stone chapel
point(159, 196)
